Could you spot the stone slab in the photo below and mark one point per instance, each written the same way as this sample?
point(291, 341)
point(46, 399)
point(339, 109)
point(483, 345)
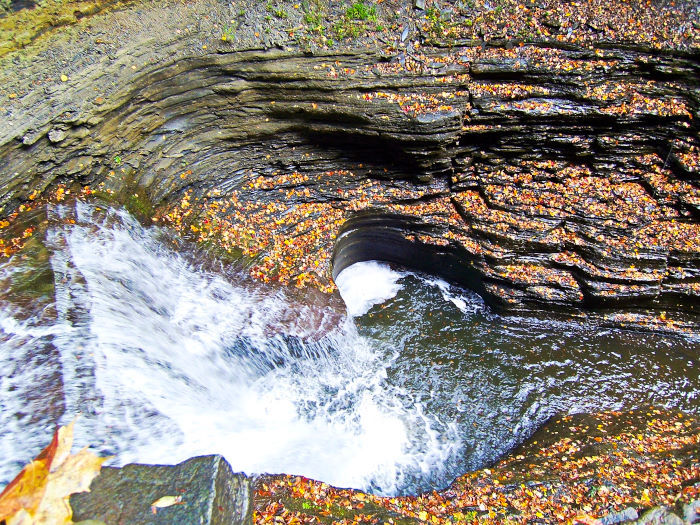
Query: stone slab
point(210, 494)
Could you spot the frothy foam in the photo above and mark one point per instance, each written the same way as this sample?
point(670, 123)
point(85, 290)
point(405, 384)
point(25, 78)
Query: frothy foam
point(364, 284)
point(165, 361)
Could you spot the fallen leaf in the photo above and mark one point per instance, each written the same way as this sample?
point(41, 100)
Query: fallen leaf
point(165, 501)
point(39, 494)
point(25, 491)
point(586, 520)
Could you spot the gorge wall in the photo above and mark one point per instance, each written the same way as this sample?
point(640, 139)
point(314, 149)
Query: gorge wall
point(551, 172)
point(542, 174)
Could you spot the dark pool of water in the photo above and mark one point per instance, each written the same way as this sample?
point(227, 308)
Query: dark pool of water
point(497, 379)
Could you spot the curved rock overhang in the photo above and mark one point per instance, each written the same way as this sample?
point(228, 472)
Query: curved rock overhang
point(371, 236)
point(537, 175)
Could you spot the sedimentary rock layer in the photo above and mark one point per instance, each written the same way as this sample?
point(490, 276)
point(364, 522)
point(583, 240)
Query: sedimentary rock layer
point(539, 174)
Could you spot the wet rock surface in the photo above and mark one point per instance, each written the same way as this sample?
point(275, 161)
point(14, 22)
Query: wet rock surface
point(659, 516)
point(628, 514)
point(541, 174)
point(200, 490)
point(691, 512)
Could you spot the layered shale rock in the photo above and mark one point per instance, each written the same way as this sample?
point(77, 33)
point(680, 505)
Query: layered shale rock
point(539, 174)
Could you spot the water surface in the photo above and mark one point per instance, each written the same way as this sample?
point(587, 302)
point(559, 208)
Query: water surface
point(164, 357)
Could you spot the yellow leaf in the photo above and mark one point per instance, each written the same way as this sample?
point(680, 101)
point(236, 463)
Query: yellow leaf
point(25, 491)
point(74, 475)
point(63, 446)
point(645, 499)
point(40, 493)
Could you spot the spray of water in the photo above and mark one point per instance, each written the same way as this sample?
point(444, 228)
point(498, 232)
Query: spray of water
point(364, 284)
point(163, 361)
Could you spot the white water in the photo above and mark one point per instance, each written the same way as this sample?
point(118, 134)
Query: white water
point(364, 284)
point(369, 283)
point(164, 361)
point(467, 304)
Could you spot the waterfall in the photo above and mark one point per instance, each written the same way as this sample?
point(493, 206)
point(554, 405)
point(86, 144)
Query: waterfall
point(162, 360)
point(162, 354)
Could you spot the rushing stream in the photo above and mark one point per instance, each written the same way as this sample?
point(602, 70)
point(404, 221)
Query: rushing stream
point(163, 358)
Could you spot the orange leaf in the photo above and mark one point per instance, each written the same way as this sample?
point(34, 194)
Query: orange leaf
point(25, 491)
point(586, 520)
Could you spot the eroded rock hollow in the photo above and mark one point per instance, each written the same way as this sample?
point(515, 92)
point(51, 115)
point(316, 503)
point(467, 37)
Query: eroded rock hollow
point(541, 175)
